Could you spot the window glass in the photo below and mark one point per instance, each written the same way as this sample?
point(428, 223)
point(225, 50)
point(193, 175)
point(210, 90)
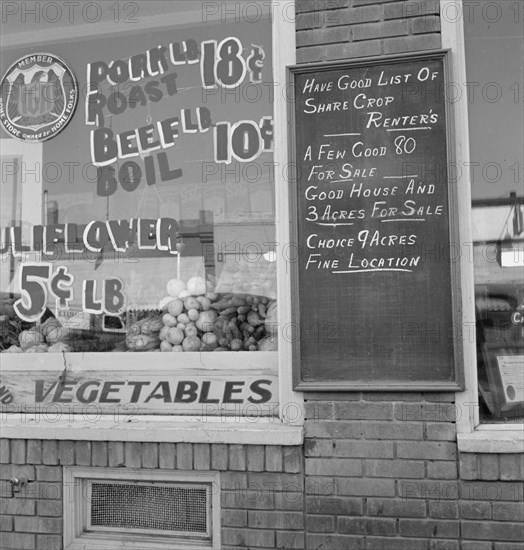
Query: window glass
point(494, 53)
point(150, 224)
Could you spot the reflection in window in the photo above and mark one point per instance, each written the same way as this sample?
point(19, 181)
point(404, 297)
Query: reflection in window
point(155, 219)
point(494, 53)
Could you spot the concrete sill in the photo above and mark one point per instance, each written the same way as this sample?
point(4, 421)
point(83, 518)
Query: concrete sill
point(493, 439)
point(175, 429)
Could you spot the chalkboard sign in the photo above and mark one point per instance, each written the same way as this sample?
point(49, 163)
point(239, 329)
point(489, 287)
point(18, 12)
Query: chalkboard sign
point(374, 287)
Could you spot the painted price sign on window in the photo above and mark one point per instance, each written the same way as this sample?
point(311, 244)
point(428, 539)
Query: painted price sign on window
point(38, 281)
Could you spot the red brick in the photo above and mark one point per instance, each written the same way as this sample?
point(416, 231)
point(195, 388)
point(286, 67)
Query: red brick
point(202, 456)
point(444, 509)
point(439, 397)
point(150, 455)
point(429, 528)
point(334, 505)
point(476, 545)
point(442, 469)
point(389, 543)
point(184, 456)
point(337, 429)
point(369, 31)
point(334, 467)
point(428, 23)
point(320, 524)
point(411, 8)
point(309, 20)
point(115, 452)
point(333, 542)
point(367, 2)
point(512, 467)
point(255, 458)
point(219, 457)
point(276, 520)
point(17, 470)
point(395, 468)
point(49, 473)
point(18, 541)
point(392, 430)
point(166, 456)
point(390, 396)
point(289, 500)
point(364, 449)
point(319, 411)
point(292, 459)
point(237, 457)
point(322, 36)
point(468, 466)
point(491, 490)
point(396, 507)
point(411, 43)
point(66, 452)
point(428, 490)
point(489, 530)
point(475, 510)
point(323, 5)
point(49, 508)
point(338, 51)
point(34, 451)
point(5, 454)
point(83, 453)
point(290, 540)
point(443, 545)
point(320, 487)
point(508, 511)
point(366, 526)
point(508, 546)
point(441, 431)
point(365, 487)
point(50, 452)
point(352, 16)
point(489, 466)
point(30, 524)
point(425, 412)
point(248, 538)
point(6, 524)
point(18, 448)
point(17, 506)
point(427, 449)
point(234, 480)
point(99, 453)
point(132, 455)
point(274, 458)
point(277, 481)
point(250, 499)
point(48, 542)
point(318, 447)
point(234, 518)
point(364, 411)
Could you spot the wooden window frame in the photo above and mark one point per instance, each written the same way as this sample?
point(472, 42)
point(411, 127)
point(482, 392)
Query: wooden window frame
point(472, 435)
point(286, 429)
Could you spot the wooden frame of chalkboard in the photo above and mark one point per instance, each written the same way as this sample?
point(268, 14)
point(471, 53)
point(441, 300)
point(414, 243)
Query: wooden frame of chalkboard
point(373, 210)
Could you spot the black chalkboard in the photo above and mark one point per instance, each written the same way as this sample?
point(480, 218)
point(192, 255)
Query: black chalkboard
point(372, 209)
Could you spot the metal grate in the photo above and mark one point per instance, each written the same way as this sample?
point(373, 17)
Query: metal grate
point(150, 507)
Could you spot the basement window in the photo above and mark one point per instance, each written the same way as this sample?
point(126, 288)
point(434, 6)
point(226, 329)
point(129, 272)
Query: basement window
point(108, 508)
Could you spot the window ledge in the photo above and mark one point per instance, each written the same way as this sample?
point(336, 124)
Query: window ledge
point(234, 430)
point(492, 439)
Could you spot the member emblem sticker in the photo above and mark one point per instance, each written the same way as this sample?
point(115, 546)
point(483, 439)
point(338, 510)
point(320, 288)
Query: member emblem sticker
point(39, 94)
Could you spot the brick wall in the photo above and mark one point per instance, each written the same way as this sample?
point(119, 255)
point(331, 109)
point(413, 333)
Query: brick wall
point(328, 30)
point(383, 473)
point(261, 487)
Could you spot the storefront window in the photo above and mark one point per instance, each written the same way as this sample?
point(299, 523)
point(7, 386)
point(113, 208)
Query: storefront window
point(494, 52)
point(151, 226)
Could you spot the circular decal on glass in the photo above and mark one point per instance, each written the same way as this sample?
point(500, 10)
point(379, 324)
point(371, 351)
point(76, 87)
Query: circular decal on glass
point(38, 97)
